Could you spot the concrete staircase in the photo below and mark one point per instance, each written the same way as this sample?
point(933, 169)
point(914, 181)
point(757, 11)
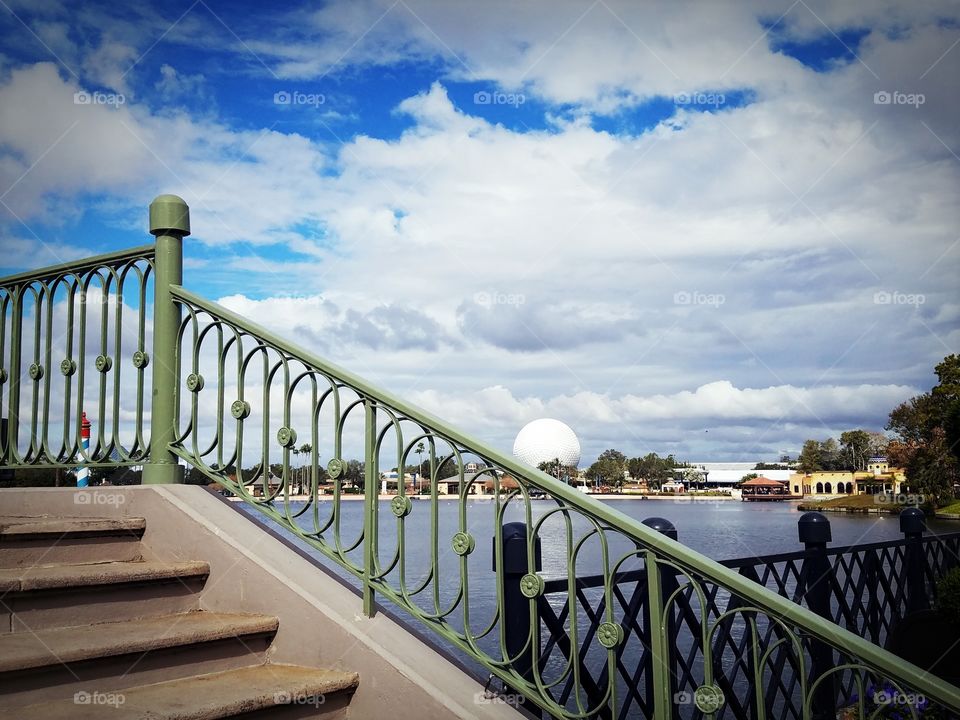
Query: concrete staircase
point(91, 629)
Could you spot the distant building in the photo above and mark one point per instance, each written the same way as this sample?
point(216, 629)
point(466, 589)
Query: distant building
point(879, 477)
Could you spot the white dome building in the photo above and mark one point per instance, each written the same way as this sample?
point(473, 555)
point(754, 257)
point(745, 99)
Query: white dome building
point(545, 440)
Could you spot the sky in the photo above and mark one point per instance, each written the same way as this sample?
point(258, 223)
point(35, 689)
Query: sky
point(712, 229)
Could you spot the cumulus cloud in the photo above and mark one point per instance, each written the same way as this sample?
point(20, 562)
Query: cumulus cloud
point(757, 269)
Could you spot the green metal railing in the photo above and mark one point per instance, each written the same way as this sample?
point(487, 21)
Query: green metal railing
point(227, 394)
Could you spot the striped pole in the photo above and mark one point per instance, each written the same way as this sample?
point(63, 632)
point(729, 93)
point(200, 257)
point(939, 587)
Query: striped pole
point(83, 472)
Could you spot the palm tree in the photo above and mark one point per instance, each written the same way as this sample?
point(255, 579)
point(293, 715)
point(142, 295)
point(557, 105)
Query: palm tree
point(305, 449)
point(293, 471)
point(419, 451)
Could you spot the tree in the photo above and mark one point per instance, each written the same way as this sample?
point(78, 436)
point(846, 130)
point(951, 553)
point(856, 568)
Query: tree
point(653, 468)
point(855, 450)
point(419, 450)
point(749, 476)
point(878, 443)
point(927, 441)
point(830, 455)
point(305, 449)
point(355, 474)
point(810, 460)
point(609, 468)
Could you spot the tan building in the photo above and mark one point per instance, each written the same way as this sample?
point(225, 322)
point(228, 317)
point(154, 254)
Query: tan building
point(879, 477)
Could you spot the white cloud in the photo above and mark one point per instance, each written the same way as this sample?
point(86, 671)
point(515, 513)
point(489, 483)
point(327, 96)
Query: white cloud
point(791, 213)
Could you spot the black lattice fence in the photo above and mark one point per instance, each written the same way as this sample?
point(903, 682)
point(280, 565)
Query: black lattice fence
point(866, 589)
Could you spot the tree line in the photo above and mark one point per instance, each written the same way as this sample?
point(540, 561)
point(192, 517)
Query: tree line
point(926, 440)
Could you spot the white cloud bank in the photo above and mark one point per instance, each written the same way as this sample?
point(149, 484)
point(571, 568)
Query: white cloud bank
point(721, 273)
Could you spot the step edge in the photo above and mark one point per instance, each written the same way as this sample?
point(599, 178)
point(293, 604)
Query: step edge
point(160, 571)
point(345, 682)
point(223, 626)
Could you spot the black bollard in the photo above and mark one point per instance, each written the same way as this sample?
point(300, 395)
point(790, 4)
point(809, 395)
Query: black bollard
point(815, 577)
point(516, 606)
point(662, 526)
point(912, 525)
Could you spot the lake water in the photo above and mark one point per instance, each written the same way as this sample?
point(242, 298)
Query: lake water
point(720, 529)
point(724, 529)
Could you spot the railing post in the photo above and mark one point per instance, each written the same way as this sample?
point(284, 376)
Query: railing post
point(912, 525)
point(169, 223)
point(814, 530)
point(516, 606)
point(370, 500)
point(659, 684)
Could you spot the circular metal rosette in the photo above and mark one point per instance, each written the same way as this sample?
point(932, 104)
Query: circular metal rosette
point(401, 506)
point(3, 376)
point(610, 634)
point(240, 409)
point(194, 382)
point(335, 468)
point(35, 371)
point(68, 367)
point(140, 359)
point(463, 543)
point(287, 437)
point(531, 585)
point(103, 363)
point(708, 698)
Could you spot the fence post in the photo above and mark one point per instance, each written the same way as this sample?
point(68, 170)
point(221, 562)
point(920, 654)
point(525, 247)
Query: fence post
point(814, 530)
point(169, 223)
point(912, 525)
point(516, 605)
point(668, 584)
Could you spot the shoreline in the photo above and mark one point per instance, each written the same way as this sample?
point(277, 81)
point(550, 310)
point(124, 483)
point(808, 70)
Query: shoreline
point(685, 498)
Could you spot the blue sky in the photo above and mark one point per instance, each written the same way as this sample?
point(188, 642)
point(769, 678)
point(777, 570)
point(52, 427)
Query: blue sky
point(714, 229)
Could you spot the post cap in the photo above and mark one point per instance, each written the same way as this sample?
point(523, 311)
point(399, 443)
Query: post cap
point(662, 526)
point(912, 521)
point(514, 536)
point(814, 529)
point(169, 214)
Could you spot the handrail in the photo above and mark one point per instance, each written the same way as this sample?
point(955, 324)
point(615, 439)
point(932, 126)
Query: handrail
point(65, 328)
point(659, 549)
point(80, 267)
point(215, 426)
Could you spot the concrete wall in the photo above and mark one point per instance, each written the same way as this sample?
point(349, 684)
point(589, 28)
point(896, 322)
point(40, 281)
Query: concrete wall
point(321, 623)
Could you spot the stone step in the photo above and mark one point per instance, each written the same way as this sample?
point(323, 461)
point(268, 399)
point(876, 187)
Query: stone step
point(269, 689)
point(56, 663)
point(29, 541)
point(22, 651)
point(48, 596)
